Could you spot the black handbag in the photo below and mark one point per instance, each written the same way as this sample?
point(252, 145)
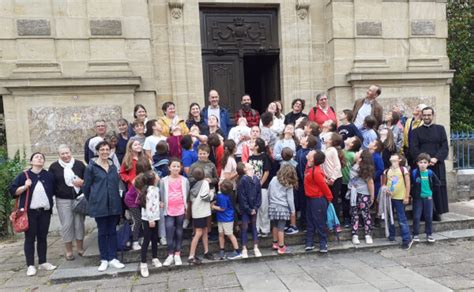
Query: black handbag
point(80, 205)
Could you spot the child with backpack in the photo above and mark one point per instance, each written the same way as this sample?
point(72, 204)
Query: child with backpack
point(160, 166)
point(200, 197)
point(225, 219)
point(281, 204)
point(174, 191)
point(397, 180)
point(149, 198)
point(250, 199)
point(361, 190)
point(425, 183)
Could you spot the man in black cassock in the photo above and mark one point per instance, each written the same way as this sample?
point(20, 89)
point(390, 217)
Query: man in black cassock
point(431, 138)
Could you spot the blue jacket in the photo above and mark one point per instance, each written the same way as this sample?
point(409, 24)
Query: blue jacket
point(379, 168)
point(416, 183)
point(249, 192)
point(46, 178)
point(102, 190)
point(225, 122)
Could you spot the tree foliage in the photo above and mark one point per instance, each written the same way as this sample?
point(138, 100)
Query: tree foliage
point(461, 56)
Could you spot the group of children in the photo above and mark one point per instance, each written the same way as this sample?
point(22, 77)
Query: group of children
point(268, 185)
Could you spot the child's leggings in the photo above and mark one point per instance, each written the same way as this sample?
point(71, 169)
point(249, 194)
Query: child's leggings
point(363, 206)
point(149, 234)
point(246, 219)
point(137, 222)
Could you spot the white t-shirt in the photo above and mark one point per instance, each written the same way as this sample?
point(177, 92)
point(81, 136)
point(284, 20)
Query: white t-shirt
point(39, 198)
point(151, 142)
point(235, 134)
point(230, 167)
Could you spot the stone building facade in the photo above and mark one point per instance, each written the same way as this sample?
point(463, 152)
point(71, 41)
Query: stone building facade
point(65, 63)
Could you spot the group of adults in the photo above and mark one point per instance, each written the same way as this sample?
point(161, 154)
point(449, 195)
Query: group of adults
point(65, 178)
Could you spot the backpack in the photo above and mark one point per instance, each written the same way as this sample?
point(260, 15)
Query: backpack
point(124, 237)
point(161, 168)
point(402, 169)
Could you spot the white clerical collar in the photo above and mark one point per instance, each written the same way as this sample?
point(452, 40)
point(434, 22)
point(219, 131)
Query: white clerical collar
point(427, 125)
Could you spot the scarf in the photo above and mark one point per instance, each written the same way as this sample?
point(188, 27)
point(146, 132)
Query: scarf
point(69, 175)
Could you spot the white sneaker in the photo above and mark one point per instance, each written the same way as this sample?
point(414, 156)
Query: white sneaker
point(47, 267)
point(136, 246)
point(169, 261)
point(185, 223)
point(416, 238)
point(115, 263)
point(31, 271)
point(177, 260)
point(156, 262)
point(355, 239)
point(368, 239)
point(245, 253)
point(103, 266)
point(257, 252)
point(163, 241)
point(144, 270)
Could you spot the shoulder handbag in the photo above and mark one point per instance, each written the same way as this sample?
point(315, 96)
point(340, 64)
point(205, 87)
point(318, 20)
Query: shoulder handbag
point(19, 217)
point(80, 205)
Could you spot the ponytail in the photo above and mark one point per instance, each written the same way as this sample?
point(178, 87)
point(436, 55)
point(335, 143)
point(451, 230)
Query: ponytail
point(229, 148)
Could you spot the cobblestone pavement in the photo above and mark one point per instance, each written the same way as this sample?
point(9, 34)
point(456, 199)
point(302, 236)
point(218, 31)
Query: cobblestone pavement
point(439, 267)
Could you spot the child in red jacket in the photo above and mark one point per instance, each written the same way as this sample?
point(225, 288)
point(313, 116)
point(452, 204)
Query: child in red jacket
point(318, 195)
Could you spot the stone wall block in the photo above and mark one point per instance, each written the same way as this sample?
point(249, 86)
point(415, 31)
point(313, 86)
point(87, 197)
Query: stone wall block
point(369, 28)
point(423, 27)
point(33, 27)
point(106, 27)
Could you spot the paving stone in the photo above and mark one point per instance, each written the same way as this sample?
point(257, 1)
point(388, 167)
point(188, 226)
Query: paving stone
point(150, 287)
point(458, 233)
point(463, 268)
point(220, 281)
point(188, 284)
point(339, 277)
point(433, 271)
point(404, 289)
point(250, 268)
point(456, 282)
point(285, 267)
point(352, 287)
point(258, 281)
point(388, 285)
point(413, 280)
point(299, 282)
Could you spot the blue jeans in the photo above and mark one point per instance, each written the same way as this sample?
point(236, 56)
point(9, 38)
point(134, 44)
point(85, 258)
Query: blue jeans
point(316, 217)
point(399, 208)
point(423, 206)
point(174, 233)
point(246, 219)
point(106, 227)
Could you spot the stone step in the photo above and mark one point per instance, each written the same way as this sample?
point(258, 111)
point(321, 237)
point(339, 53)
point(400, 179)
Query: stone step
point(451, 221)
point(83, 269)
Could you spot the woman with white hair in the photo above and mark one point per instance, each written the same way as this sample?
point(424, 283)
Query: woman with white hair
point(69, 177)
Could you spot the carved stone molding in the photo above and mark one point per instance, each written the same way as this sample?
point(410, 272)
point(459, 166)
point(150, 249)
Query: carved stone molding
point(302, 8)
point(176, 7)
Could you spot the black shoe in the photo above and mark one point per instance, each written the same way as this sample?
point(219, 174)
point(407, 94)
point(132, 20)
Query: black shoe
point(209, 256)
point(194, 261)
point(407, 246)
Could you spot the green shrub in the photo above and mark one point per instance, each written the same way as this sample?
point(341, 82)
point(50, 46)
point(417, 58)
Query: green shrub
point(9, 169)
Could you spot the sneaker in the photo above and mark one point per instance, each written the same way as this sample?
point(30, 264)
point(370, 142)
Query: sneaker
point(347, 223)
point(144, 270)
point(407, 246)
point(209, 256)
point(275, 245)
point(257, 252)
point(115, 263)
point(292, 230)
point(103, 266)
point(177, 260)
point(282, 250)
point(323, 249)
point(245, 253)
point(416, 238)
point(136, 246)
point(234, 255)
point(169, 261)
point(355, 239)
point(263, 235)
point(221, 255)
point(31, 271)
point(194, 261)
point(156, 262)
point(430, 239)
point(163, 241)
point(368, 239)
point(185, 223)
point(309, 248)
point(47, 267)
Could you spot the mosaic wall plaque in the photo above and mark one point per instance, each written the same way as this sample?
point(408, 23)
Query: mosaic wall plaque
point(408, 103)
point(72, 125)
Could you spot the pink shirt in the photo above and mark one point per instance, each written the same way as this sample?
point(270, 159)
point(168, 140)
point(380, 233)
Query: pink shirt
point(175, 197)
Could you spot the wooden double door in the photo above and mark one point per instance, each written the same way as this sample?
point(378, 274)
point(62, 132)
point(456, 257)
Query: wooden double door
point(240, 53)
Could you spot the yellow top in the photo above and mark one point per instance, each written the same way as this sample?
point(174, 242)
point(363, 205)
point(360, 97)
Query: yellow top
point(396, 184)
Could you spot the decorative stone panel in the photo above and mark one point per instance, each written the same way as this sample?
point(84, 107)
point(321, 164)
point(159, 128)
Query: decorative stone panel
point(106, 27)
point(33, 27)
point(369, 28)
point(423, 27)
